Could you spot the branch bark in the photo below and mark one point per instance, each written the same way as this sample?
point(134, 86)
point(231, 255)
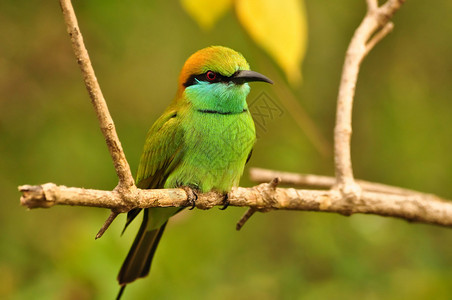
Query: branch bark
point(375, 25)
point(264, 197)
point(106, 123)
point(325, 182)
point(341, 194)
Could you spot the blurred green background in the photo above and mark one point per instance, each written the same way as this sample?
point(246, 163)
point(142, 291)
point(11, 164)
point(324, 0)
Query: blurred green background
point(49, 133)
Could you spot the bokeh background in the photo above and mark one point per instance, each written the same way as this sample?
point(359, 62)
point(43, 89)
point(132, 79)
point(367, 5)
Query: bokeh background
point(49, 133)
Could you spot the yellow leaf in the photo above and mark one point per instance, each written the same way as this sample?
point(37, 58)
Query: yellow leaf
point(280, 28)
point(206, 12)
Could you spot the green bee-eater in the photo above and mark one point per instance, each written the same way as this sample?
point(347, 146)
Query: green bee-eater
point(202, 141)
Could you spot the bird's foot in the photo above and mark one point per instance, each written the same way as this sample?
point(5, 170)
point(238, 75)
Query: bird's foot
point(192, 196)
point(225, 202)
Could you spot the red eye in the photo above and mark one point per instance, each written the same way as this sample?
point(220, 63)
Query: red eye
point(211, 76)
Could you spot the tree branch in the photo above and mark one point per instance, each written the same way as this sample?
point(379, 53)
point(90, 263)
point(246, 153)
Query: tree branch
point(264, 197)
point(97, 99)
point(126, 183)
point(325, 182)
point(376, 23)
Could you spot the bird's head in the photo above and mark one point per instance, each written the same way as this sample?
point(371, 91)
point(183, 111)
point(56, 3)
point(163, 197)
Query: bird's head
point(217, 77)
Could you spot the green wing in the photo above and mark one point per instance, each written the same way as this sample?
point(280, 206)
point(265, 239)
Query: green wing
point(161, 154)
point(162, 151)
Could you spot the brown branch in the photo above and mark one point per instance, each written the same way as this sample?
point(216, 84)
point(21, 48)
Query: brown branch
point(375, 25)
point(379, 36)
point(97, 99)
point(107, 224)
point(325, 182)
point(423, 209)
point(126, 183)
point(248, 214)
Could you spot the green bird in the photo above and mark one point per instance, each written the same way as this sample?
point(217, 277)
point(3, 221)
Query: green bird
point(201, 142)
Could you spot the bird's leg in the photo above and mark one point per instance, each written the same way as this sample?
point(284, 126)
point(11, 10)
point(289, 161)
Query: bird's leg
point(225, 201)
point(192, 195)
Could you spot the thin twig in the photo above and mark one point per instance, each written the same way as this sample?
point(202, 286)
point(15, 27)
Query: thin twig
point(379, 36)
point(107, 224)
point(248, 214)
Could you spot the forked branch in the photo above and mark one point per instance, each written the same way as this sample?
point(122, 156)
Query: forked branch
point(375, 25)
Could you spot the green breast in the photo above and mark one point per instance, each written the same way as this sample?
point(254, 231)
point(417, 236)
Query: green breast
point(216, 147)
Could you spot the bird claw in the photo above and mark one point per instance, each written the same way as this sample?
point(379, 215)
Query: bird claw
point(192, 196)
point(225, 202)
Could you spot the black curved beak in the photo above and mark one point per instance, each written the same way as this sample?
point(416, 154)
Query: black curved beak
point(243, 76)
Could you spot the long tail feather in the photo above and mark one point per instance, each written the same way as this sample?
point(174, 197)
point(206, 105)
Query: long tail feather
point(138, 261)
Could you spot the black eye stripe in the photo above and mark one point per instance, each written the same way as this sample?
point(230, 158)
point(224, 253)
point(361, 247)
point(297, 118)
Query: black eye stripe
point(203, 77)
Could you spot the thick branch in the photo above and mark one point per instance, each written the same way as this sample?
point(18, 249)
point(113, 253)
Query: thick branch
point(97, 99)
point(263, 197)
point(375, 25)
